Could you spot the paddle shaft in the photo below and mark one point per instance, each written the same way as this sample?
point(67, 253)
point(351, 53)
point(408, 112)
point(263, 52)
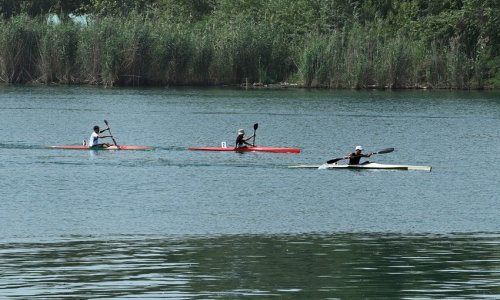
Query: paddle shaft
point(109, 129)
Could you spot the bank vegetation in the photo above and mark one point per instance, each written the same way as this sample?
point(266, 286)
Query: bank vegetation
point(451, 44)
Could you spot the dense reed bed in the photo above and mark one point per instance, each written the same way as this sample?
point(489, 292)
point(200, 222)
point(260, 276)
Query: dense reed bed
point(155, 49)
point(138, 51)
point(366, 58)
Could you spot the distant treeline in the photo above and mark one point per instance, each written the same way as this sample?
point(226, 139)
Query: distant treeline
point(316, 43)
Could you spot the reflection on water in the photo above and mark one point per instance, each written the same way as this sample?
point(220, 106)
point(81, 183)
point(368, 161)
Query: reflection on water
point(333, 266)
point(135, 222)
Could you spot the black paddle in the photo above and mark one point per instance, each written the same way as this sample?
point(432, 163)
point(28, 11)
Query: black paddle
point(255, 126)
point(383, 151)
point(106, 122)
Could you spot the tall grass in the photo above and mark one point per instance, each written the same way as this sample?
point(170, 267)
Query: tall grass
point(174, 54)
point(249, 51)
point(362, 57)
point(145, 50)
point(58, 54)
point(113, 52)
point(397, 63)
point(19, 49)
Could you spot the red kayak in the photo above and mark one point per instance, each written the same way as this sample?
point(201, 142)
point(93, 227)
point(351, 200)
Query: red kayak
point(83, 147)
point(248, 149)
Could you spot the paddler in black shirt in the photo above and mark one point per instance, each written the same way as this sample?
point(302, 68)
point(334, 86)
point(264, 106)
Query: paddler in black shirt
point(355, 157)
point(241, 140)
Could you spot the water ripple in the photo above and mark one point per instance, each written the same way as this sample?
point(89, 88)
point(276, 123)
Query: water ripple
point(256, 266)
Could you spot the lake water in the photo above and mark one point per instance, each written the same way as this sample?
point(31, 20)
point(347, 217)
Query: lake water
point(179, 224)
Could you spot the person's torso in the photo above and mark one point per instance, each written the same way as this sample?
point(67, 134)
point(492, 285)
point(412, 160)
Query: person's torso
point(239, 141)
point(94, 139)
point(354, 160)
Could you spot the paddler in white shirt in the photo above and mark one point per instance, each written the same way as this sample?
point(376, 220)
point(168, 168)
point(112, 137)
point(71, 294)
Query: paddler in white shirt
point(95, 136)
point(241, 140)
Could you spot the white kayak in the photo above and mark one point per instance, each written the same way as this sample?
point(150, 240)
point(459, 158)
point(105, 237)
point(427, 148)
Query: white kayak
point(368, 166)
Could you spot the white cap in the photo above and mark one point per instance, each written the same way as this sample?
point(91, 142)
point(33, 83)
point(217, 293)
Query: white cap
point(359, 148)
point(241, 131)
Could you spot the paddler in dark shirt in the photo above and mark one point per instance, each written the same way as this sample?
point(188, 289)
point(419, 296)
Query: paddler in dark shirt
point(355, 157)
point(241, 140)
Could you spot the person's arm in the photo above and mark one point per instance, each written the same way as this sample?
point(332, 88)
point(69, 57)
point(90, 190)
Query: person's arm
point(249, 138)
point(351, 155)
point(107, 128)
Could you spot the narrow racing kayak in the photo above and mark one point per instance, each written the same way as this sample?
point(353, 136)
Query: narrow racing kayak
point(84, 147)
point(368, 166)
point(248, 149)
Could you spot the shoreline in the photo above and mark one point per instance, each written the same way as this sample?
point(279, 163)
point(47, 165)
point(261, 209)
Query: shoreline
point(256, 85)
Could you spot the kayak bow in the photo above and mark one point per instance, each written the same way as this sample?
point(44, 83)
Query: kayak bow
point(83, 147)
point(248, 149)
point(368, 166)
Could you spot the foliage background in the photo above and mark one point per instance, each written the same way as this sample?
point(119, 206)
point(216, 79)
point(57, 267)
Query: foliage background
point(315, 43)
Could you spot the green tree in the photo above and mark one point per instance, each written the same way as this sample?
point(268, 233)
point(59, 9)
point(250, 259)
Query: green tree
point(9, 8)
point(119, 7)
